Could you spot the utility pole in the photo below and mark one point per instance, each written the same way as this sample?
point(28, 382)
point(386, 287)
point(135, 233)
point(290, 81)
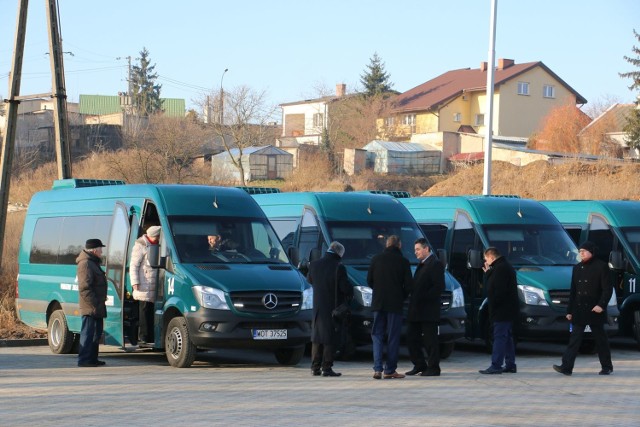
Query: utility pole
point(488, 139)
point(60, 124)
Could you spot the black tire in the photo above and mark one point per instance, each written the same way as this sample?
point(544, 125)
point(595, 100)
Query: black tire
point(289, 356)
point(180, 351)
point(446, 348)
point(58, 334)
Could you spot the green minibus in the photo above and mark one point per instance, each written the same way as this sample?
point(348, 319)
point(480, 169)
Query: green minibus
point(614, 226)
point(247, 297)
point(307, 222)
point(533, 241)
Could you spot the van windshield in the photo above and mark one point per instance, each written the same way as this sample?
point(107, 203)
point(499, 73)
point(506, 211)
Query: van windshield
point(533, 244)
point(633, 238)
point(201, 239)
point(363, 240)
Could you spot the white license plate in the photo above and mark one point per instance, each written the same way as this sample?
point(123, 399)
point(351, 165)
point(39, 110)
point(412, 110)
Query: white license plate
point(269, 334)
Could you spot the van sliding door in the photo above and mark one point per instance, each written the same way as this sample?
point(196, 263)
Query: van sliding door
point(116, 263)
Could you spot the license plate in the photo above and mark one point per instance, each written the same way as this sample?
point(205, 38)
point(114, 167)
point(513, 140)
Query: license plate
point(269, 334)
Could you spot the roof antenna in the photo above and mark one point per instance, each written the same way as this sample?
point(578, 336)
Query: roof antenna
point(215, 201)
point(519, 213)
point(369, 208)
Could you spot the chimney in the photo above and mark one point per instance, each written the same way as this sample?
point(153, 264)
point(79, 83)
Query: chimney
point(483, 66)
point(341, 89)
point(504, 63)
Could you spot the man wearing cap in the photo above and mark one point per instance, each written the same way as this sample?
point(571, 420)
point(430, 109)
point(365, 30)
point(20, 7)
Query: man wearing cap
point(92, 289)
point(590, 293)
point(143, 280)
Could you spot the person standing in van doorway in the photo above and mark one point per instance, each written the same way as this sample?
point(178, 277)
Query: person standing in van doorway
point(424, 312)
point(390, 280)
point(502, 297)
point(330, 288)
point(92, 289)
point(591, 291)
point(143, 280)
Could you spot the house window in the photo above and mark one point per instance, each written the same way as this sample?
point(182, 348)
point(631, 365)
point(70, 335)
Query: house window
point(479, 119)
point(549, 91)
point(457, 117)
point(523, 88)
point(409, 120)
point(389, 121)
point(318, 120)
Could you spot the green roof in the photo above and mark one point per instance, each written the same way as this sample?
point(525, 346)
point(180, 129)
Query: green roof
point(107, 104)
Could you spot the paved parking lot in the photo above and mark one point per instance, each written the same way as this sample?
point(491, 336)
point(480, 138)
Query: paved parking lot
point(250, 389)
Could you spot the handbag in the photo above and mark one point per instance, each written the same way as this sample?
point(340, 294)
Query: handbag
point(341, 312)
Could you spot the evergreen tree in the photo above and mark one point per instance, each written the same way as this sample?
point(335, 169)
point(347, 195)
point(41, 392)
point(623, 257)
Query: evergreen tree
point(632, 128)
point(327, 147)
point(146, 92)
point(375, 78)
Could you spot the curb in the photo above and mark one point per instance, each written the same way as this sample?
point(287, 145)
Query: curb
point(23, 342)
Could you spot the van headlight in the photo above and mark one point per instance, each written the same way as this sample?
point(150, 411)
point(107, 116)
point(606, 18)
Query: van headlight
point(457, 297)
point(210, 297)
point(362, 295)
point(613, 301)
point(532, 295)
point(307, 299)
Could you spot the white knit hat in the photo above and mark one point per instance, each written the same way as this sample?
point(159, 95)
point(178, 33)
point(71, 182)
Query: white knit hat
point(154, 231)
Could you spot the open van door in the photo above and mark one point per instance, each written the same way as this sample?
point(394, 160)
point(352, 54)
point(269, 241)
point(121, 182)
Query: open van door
point(116, 273)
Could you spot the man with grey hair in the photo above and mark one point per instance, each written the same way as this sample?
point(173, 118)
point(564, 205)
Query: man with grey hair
point(330, 288)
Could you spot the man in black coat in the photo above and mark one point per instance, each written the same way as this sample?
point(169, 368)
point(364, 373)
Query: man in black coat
point(424, 312)
point(330, 288)
point(590, 293)
point(92, 289)
point(390, 279)
point(502, 297)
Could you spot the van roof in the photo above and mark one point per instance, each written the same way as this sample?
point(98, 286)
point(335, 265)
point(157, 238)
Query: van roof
point(483, 209)
point(620, 213)
point(174, 199)
point(336, 206)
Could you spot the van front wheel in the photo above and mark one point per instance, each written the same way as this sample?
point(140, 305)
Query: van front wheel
point(179, 349)
point(289, 356)
point(58, 334)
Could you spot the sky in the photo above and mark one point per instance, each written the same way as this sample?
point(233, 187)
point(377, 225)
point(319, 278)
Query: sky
point(292, 49)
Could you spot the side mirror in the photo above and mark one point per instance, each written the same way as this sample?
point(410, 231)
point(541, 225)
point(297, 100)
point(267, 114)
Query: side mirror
point(616, 260)
point(155, 260)
point(294, 255)
point(474, 259)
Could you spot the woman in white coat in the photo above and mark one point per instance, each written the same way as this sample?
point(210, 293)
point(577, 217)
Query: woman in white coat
point(143, 281)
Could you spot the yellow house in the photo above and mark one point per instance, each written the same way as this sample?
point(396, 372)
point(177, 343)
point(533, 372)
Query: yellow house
point(456, 102)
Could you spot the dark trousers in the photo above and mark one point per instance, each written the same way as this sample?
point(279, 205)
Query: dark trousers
point(602, 344)
point(504, 349)
point(424, 335)
point(321, 356)
point(145, 321)
point(90, 339)
point(391, 324)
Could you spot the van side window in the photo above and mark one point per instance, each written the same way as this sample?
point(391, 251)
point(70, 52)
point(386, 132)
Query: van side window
point(601, 234)
point(60, 240)
point(464, 239)
point(574, 233)
point(436, 234)
point(309, 234)
point(285, 229)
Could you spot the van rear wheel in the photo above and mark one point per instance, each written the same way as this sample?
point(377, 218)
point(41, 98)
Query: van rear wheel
point(289, 356)
point(179, 349)
point(58, 334)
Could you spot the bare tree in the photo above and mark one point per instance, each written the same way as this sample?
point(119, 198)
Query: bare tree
point(248, 121)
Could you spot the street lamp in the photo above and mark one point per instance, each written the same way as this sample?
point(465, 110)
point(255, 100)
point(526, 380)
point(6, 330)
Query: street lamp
point(221, 118)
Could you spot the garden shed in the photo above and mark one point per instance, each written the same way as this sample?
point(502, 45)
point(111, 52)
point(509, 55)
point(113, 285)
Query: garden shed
point(402, 158)
point(267, 162)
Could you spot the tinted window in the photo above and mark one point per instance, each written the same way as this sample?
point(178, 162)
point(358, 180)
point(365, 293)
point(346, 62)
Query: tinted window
point(436, 234)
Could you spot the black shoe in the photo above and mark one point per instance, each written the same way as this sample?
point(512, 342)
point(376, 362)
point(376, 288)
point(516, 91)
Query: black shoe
point(100, 363)
point(606, 371)
point(315, 372)
point(415, 371)
point(511, 370)
point(377, 375)
point(491, 371)
point(88, 365)
point(330, 373)
point(430, 373)
point(559, 369)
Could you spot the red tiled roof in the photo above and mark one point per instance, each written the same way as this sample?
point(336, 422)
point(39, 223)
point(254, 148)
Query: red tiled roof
point(452, 84)
point(467, 157)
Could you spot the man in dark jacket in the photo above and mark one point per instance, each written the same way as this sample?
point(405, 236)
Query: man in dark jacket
point(590, 293)
point(502, 297)
point(330, 288)
point(424, 312)
point(390, 279)
point(92, 288)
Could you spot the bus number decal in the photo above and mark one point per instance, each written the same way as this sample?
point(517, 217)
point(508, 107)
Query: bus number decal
point(632, 285)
